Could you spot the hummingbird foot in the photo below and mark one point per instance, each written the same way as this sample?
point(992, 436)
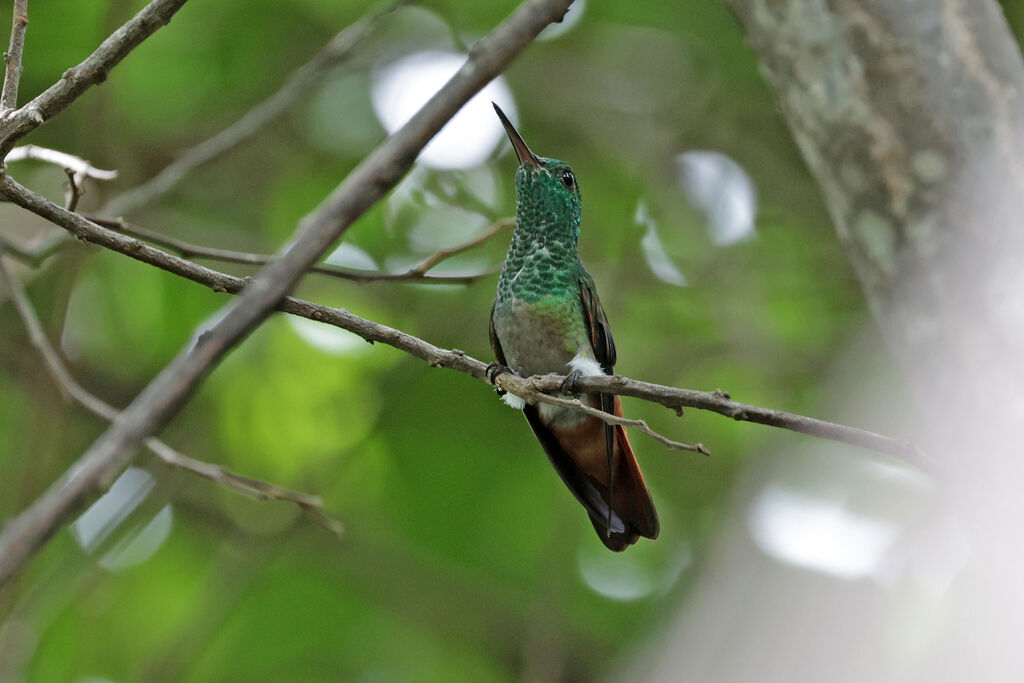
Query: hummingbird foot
point(492, 372)
point(569, 383)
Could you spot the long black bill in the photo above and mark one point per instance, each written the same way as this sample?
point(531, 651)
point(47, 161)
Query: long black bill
point(522, 151)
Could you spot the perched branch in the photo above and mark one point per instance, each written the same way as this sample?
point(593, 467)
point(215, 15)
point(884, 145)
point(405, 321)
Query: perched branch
point(12, 76)
point(254, 120)
point(416, 274)
point(721, 402)
point(671, 397)
point(170, 390)
point(93, 70)
point(71, 389)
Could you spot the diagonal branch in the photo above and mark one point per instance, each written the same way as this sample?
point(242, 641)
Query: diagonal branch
point(417, 273)
point(715, 401)
point(337, 50)
point(71, 389)
point(92, 70)
point(172, 388)
point(12, 76)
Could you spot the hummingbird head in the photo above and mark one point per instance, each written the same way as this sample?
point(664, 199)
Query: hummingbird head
point(545, 188)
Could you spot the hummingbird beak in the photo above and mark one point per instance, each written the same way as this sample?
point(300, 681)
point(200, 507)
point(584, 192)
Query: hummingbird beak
point(522, 151)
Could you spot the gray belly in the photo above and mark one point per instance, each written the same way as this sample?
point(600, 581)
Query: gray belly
point(537, 344)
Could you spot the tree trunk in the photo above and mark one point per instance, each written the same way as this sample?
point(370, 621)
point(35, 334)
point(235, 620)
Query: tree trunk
point(909, 115)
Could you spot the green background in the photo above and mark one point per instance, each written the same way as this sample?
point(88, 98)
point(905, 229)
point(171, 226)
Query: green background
point(463, 558)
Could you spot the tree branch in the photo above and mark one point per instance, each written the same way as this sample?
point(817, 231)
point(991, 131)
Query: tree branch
point(81, 167)
point(170, 390)
point(76, 80)
point(12, 75)
point(721, 402)
point(337, 50)
point(533, 394)
point(72, 390)
point(715, 401)
point(421, 268)
point(417, 273)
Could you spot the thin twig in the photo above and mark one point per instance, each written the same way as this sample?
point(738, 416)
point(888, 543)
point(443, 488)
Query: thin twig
point(74, 190)
point(416, 274)
point(171, 389)
point(71, 390)
point(81, 167)
point(421, 268)
point(454, 192)
point(536, 396)
point(337, 50)
point(12, 75)
point(92, 70)
point(77, 169)
point(716, 401)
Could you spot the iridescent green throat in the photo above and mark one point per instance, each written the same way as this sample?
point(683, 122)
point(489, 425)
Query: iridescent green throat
point(543, 259)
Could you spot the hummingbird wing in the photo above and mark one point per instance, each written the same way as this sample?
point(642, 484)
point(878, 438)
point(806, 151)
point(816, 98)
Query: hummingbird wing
point(598, 330)
point(600, 334)
point(499, 355)
point(578, 455)
point(623, 482)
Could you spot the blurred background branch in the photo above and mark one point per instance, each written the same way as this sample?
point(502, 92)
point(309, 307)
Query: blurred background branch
point(418, 273)
point(337, 50)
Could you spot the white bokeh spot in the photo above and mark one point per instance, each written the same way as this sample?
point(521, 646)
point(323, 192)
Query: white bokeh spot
point(722, 190)
point(402, 87)
point(658, 260)
point(819, 533)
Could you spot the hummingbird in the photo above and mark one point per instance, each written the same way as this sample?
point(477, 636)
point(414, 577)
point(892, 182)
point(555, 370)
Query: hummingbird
point(547, 319)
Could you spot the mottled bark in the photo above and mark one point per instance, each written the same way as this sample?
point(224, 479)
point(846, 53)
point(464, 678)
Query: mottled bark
point(909, 116)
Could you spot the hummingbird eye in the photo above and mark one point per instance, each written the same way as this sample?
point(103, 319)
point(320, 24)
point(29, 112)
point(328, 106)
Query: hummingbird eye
point(568, 179)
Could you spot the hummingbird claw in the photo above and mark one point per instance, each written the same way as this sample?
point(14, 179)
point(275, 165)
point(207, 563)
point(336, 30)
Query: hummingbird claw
point(492, 372)
point(569, 384)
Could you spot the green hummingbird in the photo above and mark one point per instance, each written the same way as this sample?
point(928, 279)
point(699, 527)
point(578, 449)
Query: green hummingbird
point(547, 319)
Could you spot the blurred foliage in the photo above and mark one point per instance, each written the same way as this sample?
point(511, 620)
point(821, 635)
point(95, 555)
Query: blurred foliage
point(464, 557)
